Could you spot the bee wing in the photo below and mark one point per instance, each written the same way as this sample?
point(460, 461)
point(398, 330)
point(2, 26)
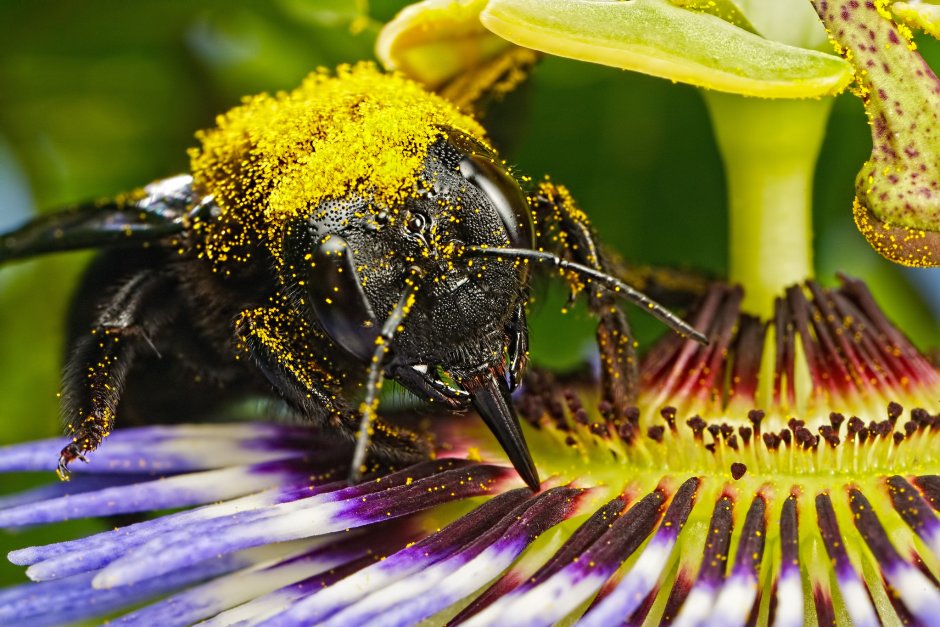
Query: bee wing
point(157, 211)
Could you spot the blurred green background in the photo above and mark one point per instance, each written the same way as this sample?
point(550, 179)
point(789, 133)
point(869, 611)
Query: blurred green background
point(101, 96)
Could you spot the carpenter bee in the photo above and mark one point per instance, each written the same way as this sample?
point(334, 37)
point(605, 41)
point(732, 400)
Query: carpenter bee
point(355, 229)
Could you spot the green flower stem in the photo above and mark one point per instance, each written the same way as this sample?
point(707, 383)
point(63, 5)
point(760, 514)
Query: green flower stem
point(769, 149)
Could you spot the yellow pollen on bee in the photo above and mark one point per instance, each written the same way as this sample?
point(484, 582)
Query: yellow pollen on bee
point(357, 131)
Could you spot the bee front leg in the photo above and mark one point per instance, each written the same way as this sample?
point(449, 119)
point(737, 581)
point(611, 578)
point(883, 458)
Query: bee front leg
point(563, 227)
point(284, 349)
point(97, 369)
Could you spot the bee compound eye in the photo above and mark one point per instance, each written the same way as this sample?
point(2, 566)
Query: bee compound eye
point(338, 299)
point(506, 196)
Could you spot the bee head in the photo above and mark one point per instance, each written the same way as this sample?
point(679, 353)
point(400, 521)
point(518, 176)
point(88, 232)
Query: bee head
point(389, 285)
point(351, 260)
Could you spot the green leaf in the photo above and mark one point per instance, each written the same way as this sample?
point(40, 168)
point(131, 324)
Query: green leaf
point(655, 37)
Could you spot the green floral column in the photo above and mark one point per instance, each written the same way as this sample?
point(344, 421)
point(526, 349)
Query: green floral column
point(769, 149)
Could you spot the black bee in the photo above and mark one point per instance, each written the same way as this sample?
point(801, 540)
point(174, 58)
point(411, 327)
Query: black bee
point(356, 229)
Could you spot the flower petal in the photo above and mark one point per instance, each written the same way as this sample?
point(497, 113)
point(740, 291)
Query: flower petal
point(511, 584)
point(737, 596)
point(180, 448)
point(658, 38)
point(78, 485)
point(222, 593)
point(915, 511)
point(406, 562)
point(857, 602)
point(164, 493)
point(697, 603)
point(918, 594)
point(789, 584)
point(68, 600)
point(440, 585)
point(96, 551)
point(554, 598)
point(642, 578)
point(258, 610)
point(318, 515)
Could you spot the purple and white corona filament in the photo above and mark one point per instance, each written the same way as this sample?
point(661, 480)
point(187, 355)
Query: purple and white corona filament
point(786, 473)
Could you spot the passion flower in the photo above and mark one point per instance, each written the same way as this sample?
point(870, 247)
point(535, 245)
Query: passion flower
point(783, 473)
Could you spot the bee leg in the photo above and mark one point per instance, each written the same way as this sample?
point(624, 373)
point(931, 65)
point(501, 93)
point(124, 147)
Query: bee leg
point(368, 409)
point(563, 226)
point(97, 369)
point(280, 347)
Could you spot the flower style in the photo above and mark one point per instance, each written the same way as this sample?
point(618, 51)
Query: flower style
point(714, 500)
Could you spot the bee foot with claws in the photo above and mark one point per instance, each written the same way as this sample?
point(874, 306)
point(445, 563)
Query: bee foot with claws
point(69, 454)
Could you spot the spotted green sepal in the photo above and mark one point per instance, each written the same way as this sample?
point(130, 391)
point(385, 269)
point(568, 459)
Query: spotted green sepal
point(658, 38)
point(897, 205)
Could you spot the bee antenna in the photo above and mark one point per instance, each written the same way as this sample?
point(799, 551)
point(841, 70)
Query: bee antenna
point(615, 285)
point(368, 409)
